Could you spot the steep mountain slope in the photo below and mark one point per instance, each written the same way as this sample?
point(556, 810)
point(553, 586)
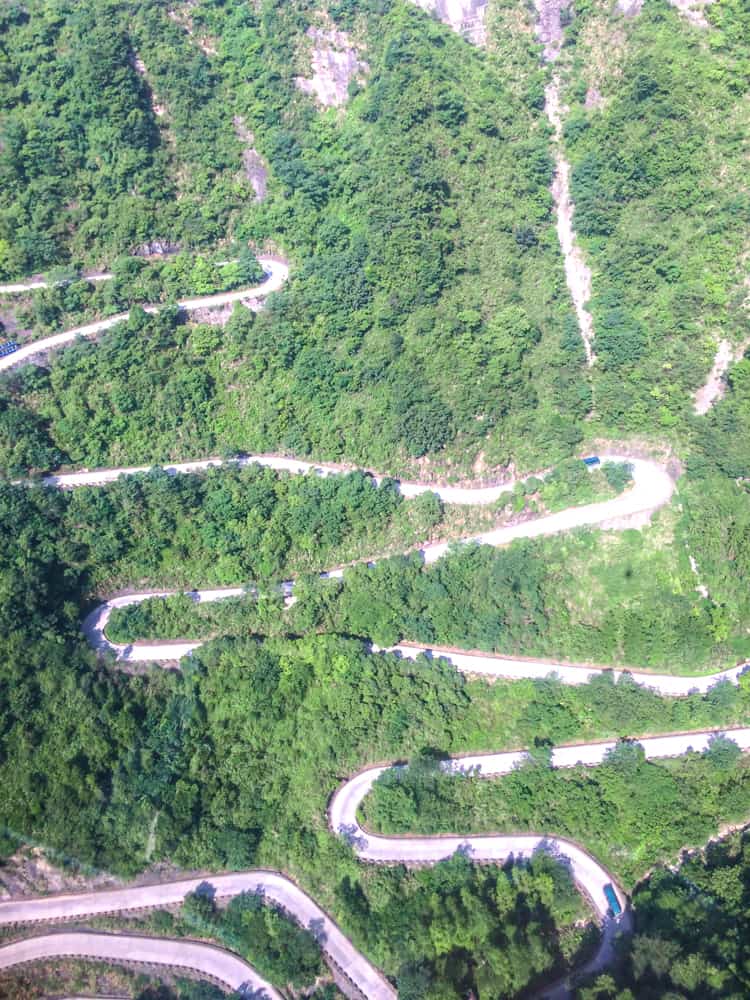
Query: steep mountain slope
point(659, 136)
point(427, 307)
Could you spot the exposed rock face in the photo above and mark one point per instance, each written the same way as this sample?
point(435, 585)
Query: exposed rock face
point(549, 26)
point(467, 17)
point(252, 161)
point(693, 10)
point(335, 62)
point(140, 67)
point(715, 385)
point(549, 30)
point(630, 8)
point(577, 272)
point(157, 248)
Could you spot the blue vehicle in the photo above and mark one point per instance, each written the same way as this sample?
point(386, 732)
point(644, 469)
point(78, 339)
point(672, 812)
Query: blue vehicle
point(591, 460)
point(614, 902)
point(8, 348)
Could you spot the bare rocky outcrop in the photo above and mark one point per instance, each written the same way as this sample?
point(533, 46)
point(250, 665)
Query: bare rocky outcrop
point(220, 315)
point(630, 8)
point(335, 62)
point(252, 161)
point(693, 10)
point(157, 248)
point(183, 17)
point(140, 67)
point(577, 271)
point(466, 17)
point(594, 98)
point(549, 26)
point(550, 32)
point(715, 385)
point(29, 872)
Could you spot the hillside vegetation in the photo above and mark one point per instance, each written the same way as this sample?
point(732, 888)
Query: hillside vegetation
point(691, 935)
point(425, 328)
point(659, 153)
point(427, 304)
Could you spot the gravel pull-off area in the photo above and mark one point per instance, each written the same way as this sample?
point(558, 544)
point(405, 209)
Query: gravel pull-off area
point(335, 62)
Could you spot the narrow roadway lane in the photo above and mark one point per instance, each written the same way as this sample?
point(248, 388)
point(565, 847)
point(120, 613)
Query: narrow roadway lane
point(274, 887)
point(652, 488)
point(479, 495)
point(519, 668)
point(277, 276)
point(187, 956)
point(35, 284)
point(588, 873)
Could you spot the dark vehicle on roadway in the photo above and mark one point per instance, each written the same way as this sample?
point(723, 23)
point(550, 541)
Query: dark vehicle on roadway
point(591, 460)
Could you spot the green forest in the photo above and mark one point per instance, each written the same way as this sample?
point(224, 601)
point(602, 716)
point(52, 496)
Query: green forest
point(76, 298)
point(691, 934)
point(662, 211)
point(406, 326)
point(631, 812)
point(425, 331)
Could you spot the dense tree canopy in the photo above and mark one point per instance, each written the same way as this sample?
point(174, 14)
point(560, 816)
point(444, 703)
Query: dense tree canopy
point(691, 934)
point(427, 304)
point(657, 135)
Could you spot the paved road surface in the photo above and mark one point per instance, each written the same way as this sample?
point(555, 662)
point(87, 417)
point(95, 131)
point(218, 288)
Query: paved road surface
point(480, 495)
point(226, 967)
point(651, 479)
point(591, 876)
point(188, 956)
point(37, 283)
point(273, 886)
point(652, 488)
point(277, 275)
point(513, 668)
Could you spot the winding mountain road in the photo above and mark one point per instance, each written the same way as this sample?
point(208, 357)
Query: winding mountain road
point(35, 284)
point(652, 488)
point(277, 274)
point(231, 971)
point(220, 964)
point(520, 668)
point(178, 956)
point(587, 872)
point(478, 495)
